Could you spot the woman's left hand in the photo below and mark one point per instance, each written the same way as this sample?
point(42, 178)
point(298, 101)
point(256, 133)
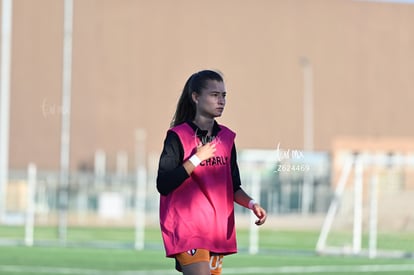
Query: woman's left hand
point(260, 213)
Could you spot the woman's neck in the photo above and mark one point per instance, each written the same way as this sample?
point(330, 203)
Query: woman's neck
point(204, 123)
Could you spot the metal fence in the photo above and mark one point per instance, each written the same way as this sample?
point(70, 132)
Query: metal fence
point(95, 199)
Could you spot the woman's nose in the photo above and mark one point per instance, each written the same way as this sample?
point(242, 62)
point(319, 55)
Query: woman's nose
point(221, 100)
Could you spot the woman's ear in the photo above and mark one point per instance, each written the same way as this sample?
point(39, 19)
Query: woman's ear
point(194, 95)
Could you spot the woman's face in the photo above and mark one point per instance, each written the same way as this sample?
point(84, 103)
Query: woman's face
point(212, 99)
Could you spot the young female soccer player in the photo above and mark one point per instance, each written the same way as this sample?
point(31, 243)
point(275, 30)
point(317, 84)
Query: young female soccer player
point(199, 181)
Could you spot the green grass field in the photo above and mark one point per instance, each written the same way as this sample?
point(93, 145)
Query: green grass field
point(281, 252)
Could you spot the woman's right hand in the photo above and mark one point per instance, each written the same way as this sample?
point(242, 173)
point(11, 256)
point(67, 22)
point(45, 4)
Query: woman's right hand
point(203, 152)
point(206, 151)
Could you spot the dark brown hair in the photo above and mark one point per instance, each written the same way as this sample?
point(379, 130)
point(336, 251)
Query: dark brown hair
point(186, 108)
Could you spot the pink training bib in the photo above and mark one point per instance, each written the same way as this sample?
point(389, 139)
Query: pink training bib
point(200, 212)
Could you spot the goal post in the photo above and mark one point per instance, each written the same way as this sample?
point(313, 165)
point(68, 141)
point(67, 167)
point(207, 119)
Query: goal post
point(333, 207)
point(363, 171)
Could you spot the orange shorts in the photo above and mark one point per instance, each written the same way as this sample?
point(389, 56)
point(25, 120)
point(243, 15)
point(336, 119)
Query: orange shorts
point(201, 255)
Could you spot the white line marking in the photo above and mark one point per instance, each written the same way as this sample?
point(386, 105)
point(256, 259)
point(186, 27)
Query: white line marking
point(246, 270)
point(320, 269)
point(79, 271)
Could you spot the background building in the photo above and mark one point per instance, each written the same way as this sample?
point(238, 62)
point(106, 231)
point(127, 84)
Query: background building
point(131, 59)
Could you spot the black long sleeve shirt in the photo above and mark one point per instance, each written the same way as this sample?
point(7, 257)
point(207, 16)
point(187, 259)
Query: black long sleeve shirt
point(171, 172)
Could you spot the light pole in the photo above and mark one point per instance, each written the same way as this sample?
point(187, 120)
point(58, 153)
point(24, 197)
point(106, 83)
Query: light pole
point(308, 134)
point(63, 197)
point(6, 33)
point(307, 104)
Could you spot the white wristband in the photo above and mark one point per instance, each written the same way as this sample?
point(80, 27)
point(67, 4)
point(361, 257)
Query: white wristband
point(195, 160)
point(251, 204)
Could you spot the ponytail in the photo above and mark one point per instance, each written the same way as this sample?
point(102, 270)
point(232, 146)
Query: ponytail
point(186, 108)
